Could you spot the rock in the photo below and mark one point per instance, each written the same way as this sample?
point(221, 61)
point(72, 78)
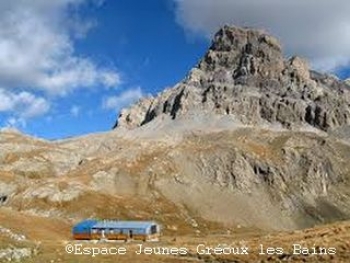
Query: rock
point(113, 182)
point(63, 161)
point(347, 82)
point(136, 116)
point(245, 75)
point(301, 67)
point(194, 223)
point(10, 234)
point(31, 167)
point(14, 254)
point(54, 193)
point(6, 192)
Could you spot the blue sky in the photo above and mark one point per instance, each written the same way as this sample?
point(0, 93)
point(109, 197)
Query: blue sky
point(68, 66)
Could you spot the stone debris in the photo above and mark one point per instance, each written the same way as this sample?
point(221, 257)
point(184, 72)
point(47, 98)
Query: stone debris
point(8, 233)
point(54, 193)
point(14, 254)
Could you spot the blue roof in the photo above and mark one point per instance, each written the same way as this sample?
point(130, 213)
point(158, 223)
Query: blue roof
point(84, 226)
point(124, 224)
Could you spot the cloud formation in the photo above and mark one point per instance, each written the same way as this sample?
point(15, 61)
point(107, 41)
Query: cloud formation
point(316, 29)
point(37, 48)
point(120, 101)
point(24, 104)
point(38, 56)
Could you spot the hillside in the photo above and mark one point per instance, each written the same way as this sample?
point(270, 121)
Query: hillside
point(249, 145)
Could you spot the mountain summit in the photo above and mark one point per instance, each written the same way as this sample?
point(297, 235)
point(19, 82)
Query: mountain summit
point(244, 75)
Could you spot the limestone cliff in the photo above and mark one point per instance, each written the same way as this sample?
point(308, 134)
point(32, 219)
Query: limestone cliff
point(244, 74)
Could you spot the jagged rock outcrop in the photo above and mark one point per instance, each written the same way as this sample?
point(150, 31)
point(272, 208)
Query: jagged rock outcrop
point(244, 74)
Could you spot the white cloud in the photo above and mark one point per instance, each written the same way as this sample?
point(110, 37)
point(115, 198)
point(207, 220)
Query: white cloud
point(24, 105)
point(316, 29)
point(75, 111)
point(122, 100)
point(37, 47)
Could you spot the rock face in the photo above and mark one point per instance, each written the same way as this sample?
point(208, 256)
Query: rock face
point(245, 75)
point(290, 178)
point(286, 163)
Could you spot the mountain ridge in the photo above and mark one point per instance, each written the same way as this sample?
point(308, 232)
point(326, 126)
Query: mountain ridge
point(244, 74)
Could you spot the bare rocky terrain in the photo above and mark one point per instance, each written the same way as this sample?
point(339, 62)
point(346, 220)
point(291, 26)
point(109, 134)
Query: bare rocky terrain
point(245, 75)
point(249, 143)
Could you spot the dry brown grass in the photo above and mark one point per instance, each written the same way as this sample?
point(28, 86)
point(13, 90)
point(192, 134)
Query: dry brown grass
point(55, 234)
point(7, 177)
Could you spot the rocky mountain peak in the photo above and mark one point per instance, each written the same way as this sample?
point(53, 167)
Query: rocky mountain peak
point(245, 52)
point(244, 75)
point(246, 39)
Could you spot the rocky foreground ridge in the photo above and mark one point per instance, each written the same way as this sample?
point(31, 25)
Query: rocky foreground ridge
point(245, 75)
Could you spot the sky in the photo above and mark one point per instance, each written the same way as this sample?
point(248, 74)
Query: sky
point(67, 67)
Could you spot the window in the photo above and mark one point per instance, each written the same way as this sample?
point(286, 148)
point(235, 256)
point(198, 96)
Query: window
point(153, 229)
